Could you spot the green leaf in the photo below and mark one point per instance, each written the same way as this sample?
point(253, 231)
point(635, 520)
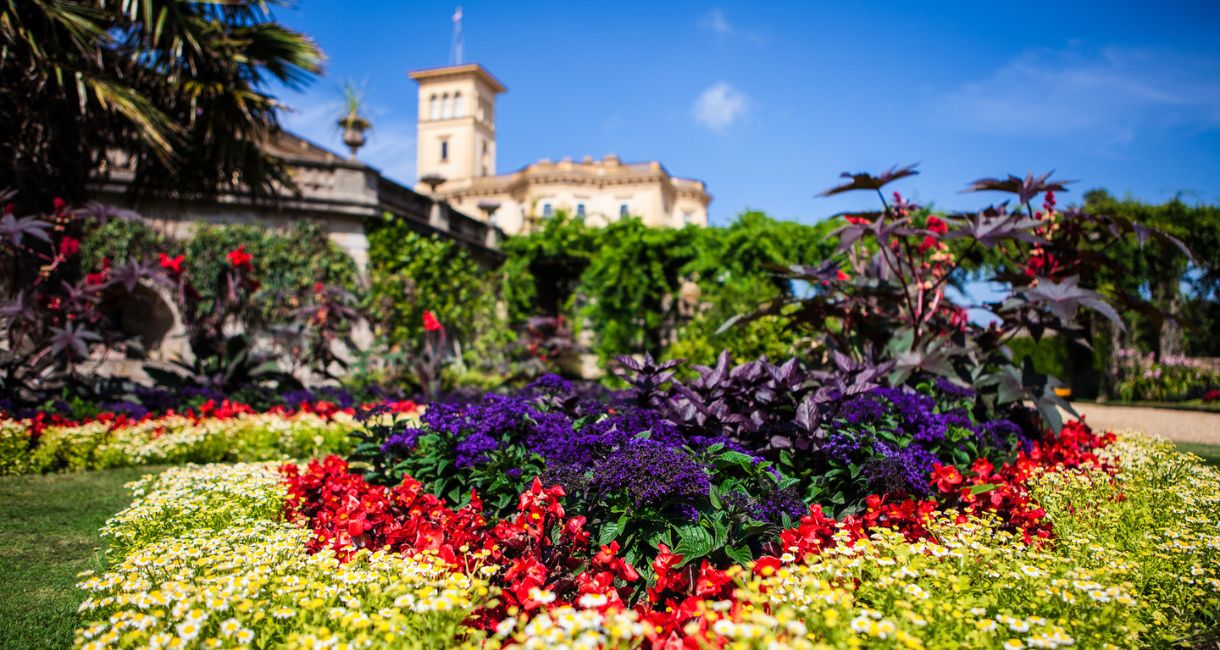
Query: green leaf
point(736, 458)
point(694, 542)
point(739, 554)
point(984, 487)
point(608, 532)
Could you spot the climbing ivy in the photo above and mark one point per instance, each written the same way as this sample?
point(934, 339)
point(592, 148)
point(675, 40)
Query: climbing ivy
point(410, 273)
point(624, 284)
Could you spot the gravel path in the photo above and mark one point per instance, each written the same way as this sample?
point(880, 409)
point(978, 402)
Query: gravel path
point(1177, 425)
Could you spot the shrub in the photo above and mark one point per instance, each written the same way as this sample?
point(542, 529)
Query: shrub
point(628, 285)
point(289, 263)
point(1172, 379)
point(885, 296)
point(412, 274)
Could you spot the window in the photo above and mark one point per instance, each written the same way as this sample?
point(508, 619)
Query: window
point(688, 217)
point(434, 108)
point(623, 211)
point(457, 105)
point(444, 150)
point(547, 210)
point(446, 106)
point(580, 210)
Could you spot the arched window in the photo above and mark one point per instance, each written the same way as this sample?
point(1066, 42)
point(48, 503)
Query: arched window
point(446, 106)
point(434, 108)
point(457, 104)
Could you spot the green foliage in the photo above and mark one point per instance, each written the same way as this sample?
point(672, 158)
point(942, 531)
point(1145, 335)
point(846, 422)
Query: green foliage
point(287, 264)
point(411, 273)
point(629, 285)
point(123, 239)
point(700, 341)
point(181, 88)
point(1164, 277)
point(543, 269)
point(1141, 378)
point(734, 272)
point(1048, 355)
point(754, 241)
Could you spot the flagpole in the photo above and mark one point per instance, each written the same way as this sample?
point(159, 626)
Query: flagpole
point(455, 51)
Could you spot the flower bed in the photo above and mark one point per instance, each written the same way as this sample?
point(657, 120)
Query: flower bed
point(1084, 540)
point(223, 432)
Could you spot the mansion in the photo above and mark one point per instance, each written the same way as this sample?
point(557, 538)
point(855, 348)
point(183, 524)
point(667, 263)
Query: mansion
point(456, 162)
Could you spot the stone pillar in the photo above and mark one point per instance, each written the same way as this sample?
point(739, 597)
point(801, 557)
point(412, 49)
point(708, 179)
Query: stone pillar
point(438, 217)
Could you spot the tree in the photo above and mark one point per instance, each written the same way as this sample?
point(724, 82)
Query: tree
point(177, 86)
point(1187, 291)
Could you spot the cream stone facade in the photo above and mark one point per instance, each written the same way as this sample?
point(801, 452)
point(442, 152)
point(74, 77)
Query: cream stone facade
point(456, 161)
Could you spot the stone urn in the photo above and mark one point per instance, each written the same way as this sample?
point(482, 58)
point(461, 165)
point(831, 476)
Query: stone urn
point(354, 127)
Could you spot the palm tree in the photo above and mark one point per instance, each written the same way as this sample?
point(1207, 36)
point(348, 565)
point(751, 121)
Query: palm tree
point(178, 86)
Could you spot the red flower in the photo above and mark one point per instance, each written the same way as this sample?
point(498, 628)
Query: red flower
point(857, 221)
point(172, 264)
point(766, 566)
point(240, 259)
point(711, 581)
point(842, 275)
point(99, 278)
point(430, 322)
point(982, 468)
point(937, 225)
point(69, 246)
point(945, 477)
point(607, 553)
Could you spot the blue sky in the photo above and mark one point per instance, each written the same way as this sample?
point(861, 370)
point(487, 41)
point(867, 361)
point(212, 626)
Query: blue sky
point(768, 103)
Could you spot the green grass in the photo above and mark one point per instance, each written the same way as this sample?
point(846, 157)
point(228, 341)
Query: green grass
point(48, 534)
point(1209, 453)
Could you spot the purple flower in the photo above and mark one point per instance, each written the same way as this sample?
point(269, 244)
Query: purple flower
point(401, 443)
point(553, 438)
point(782, 502)
point(999, 433)
point(473, 449)
point(651, 473)
point(550, 383)
point(130, 409)
point(899, 470)
point(952, 390)
point(842, 447)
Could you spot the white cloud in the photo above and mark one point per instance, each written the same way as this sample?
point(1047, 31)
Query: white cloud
point(720, 106)
point(1109, 97)
point(715, 22)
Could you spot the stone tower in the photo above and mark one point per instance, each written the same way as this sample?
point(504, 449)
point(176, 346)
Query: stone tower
point(456, 137)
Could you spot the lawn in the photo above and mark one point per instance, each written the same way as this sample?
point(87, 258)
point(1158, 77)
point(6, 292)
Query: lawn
point(48, 534)
point(1209, 453)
